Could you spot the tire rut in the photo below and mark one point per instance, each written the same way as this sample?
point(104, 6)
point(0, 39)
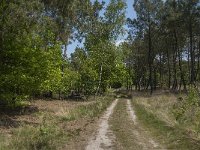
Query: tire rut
point(104, 137)
point(145, 141)
point(121, 130)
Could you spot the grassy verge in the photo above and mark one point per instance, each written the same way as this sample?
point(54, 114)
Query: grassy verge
point(45, 137)
point(123, 128)
point(91, 110)
point(3, 141)
point(172, 137)
point(49, 132)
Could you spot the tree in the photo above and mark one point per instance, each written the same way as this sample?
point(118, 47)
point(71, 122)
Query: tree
point(99, 43)
point(146, 22)
point(162, 35)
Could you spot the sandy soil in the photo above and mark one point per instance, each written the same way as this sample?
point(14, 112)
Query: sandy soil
point(104, 137)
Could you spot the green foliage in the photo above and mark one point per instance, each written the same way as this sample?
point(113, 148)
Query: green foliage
point(103, 60)
point(69, 81)
point(174, 137)
point(119, 75)
point(35, 69)
point(84, 68)
point(44, 137)
point(30, 57)
point(115, 18)
point(187, 110)
point(162, 41)
point(32, 34)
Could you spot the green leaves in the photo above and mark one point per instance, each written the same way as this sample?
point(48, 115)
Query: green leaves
point(32, 34)
point(188, 108)
point(31, 59)
point(115, 18)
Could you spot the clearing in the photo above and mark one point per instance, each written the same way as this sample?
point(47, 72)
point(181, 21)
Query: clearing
point(142, 122)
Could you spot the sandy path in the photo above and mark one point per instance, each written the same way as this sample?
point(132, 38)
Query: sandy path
point(104, 137)
point(131, 112)
point(144, 141)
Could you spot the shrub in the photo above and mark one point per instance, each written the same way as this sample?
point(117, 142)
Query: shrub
point(187, 110)
point(45, 136)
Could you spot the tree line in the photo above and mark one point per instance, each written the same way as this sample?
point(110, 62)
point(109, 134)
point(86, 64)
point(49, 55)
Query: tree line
point(34, 35)
point(164, 44)
point(162, 49)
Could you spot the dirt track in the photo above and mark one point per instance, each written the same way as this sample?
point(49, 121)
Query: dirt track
point(144, 141)
point(119, 129)
point(104, 137)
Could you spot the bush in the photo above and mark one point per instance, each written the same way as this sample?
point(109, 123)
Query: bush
point(43, 137)
point(187, 110)
point(116, 85)
point(12, 100)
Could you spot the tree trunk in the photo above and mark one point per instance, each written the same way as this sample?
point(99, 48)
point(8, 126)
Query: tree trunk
point(174, 86)
point(169, 70)
point(188, 62)
point(182, 80)
point(155, 78)
point(192, 65)
point(100, 78)
point(198, 63)
point(160, 69)
point(150, 59)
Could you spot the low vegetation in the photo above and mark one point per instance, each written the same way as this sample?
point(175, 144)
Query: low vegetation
point(187, 112)
point(123, 127)
point(90, 110)
point(159, 115)
point(45, 136)
point(51, 131)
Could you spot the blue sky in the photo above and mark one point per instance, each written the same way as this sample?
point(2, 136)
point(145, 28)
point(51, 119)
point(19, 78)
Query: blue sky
point(130, 13)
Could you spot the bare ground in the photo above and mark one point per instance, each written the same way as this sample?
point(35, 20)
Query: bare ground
point(104, 137)
point(118, 129)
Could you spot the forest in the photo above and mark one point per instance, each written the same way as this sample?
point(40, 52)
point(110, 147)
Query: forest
point(149, 64)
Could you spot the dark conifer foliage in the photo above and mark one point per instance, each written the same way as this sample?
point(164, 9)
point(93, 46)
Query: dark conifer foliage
point(165, 34)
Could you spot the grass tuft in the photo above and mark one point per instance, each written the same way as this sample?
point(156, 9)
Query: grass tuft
point(90, 110)
point(173, 137)
point(45, 136)
point(49, 131)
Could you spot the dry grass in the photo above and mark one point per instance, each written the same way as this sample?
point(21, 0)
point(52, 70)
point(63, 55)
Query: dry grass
point(160, 105)
point(123, 128)
point(44, 128)
point(129, 135)
point(156, 113)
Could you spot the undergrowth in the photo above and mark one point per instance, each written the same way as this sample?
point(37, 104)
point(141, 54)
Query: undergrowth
point(45, 136)
point(90, 110)
point(187, 111)
point(173, 137)
point(49, 135)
